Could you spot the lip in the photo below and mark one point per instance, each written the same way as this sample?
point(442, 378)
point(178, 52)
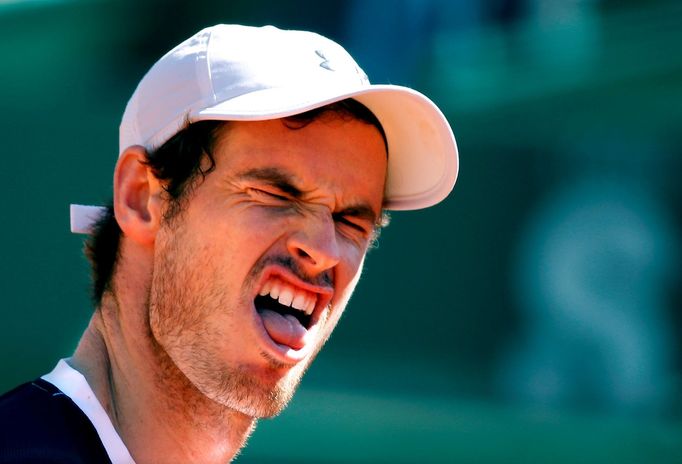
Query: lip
point(282, 353)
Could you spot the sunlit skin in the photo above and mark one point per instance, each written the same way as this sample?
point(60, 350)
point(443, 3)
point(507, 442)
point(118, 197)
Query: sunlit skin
point(177, 353)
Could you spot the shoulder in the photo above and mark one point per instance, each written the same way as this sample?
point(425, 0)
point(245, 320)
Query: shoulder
point(39, 423)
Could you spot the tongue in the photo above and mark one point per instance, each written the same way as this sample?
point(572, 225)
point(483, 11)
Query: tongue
point(285, 330)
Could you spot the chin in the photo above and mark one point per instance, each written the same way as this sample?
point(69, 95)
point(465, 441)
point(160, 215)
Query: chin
point(260, 401)
point(255, 395)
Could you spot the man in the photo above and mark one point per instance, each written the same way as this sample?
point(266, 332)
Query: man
point(253, 171)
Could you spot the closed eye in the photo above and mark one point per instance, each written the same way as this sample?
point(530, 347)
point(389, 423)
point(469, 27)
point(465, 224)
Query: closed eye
point(268, 194)
point(357, 226)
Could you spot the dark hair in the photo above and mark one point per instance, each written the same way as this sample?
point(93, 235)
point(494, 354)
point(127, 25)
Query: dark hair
point(347, 110)
point(178, 163)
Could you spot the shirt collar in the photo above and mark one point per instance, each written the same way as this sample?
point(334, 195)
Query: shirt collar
point(73, 384)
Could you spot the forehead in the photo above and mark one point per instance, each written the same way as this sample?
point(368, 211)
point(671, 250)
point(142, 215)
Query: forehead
point(342, 157)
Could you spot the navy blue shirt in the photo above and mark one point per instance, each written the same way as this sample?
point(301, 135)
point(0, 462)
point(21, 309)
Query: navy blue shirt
point(40, 424)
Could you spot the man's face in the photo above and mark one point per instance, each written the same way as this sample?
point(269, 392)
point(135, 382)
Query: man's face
point(252, 277)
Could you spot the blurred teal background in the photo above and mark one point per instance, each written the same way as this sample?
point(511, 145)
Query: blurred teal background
point(533, 317)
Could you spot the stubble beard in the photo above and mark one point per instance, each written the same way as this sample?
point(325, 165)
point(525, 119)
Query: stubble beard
point(181, 294)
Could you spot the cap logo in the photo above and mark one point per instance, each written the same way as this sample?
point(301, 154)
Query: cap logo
point(325, 63)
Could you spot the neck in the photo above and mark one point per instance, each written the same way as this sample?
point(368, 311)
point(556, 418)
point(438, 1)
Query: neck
point(158, 413)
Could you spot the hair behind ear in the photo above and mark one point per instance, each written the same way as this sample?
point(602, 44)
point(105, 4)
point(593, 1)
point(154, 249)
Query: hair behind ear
point(102, 250)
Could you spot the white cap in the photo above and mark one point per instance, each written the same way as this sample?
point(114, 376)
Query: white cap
point(241, 73)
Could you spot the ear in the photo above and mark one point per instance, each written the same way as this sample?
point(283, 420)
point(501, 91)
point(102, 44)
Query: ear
point(137, 196)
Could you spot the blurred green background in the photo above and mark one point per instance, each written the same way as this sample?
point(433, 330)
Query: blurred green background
point(533, 317)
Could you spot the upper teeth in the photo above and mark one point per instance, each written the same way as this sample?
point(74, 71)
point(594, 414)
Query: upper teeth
point(288, 295)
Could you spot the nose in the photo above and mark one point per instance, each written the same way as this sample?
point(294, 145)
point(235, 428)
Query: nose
point(314, 244)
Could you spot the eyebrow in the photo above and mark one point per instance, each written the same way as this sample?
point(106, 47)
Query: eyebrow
point(286, 183)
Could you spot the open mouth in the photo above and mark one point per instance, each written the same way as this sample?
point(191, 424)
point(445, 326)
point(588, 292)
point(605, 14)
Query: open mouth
point(286, 311)
point(268, 303)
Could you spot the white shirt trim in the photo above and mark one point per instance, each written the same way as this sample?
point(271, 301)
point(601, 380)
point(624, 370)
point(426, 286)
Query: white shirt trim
point(73, 384)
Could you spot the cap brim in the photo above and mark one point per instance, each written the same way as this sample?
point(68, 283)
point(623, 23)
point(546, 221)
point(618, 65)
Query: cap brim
point(422, 152)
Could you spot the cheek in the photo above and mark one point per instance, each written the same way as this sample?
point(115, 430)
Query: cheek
point(341, 300)
point(234, 243)
point(255, 226)
point(191, 300)
point(347, 278)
